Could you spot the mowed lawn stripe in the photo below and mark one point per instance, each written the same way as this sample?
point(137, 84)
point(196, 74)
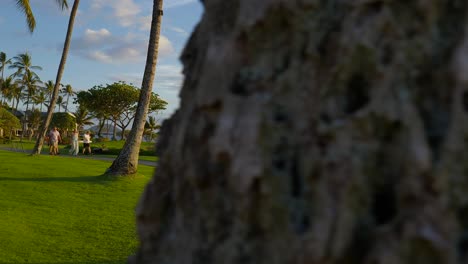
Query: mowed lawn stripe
point(61, 210)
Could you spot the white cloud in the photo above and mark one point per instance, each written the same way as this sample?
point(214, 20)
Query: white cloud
point(178, 30)
point(99, 56)
point(94, 37)
point(125, 11)
point(176, 3)
point(145, 23)
point(100, 45)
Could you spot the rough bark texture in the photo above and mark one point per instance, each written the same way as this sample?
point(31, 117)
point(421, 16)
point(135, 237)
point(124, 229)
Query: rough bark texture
point(316, 132)
point(127, 161)
point(50, 110)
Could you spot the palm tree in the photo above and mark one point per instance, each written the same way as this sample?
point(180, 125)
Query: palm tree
point(3, 63)
point(67, 91)
point(82, 117)
point(8, 87)
point(24, 70)
point(25, 8)
point(40, 98)
point(15, 94)
point(31, 82)
point(40, 139)
point(49, 90)
point(127, 161)
point(60, 102)
point(150, 126)
point(23, 64)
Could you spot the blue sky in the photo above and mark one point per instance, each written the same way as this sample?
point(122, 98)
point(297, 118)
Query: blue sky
point(109, 41)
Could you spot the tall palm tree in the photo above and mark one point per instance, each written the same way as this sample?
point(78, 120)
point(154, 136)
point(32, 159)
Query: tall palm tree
point(25, 8)
point(150, 126)
point(31, 82)
point(59, 102)
point(23, 64)
point(127, 161)
point(82, 117)
point(24, 70)
point(49, 89)
point(67, 91)
point(40, 98)
point(15, 95)
point(3, 63)
point(43, 130)
point(8, 87)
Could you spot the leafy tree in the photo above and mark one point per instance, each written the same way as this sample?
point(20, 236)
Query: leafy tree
point(156, 104)
point(117, 102)
point(126, 162)
point(121, 100)
point(95, 100)
point(63, 121)
point(40, 140)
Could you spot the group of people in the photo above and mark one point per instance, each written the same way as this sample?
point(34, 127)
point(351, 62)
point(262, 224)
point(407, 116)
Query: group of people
point(55, 138)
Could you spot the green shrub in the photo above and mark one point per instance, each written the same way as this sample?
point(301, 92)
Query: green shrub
point(8, 122)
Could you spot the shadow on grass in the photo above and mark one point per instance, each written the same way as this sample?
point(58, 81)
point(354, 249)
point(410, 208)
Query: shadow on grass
point(93, 179)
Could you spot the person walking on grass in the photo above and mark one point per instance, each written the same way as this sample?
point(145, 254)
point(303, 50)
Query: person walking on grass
point(87, 143)
point(75, 148)
point(54, 139)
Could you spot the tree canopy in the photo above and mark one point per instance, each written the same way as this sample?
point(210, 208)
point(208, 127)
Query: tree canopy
point(116, 102)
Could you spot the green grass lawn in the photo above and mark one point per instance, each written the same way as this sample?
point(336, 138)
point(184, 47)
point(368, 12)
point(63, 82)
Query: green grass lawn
point(146, 149)
point(61, 210)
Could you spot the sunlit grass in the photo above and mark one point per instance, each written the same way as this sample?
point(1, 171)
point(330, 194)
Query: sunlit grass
point(61, 210)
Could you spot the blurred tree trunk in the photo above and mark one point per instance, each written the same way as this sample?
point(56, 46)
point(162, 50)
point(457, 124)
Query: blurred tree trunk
point(316, 132)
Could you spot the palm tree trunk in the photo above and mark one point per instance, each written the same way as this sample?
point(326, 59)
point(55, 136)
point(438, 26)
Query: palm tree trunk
point(114, 132)
point(1, 87)
point(44, 127)
point(101, 126)
point(25, 118)
point(322, 132)
point(127, 161)
point(66, 106)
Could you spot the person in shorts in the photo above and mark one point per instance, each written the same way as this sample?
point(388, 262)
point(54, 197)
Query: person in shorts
point(87, 143)
point(54, 139)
